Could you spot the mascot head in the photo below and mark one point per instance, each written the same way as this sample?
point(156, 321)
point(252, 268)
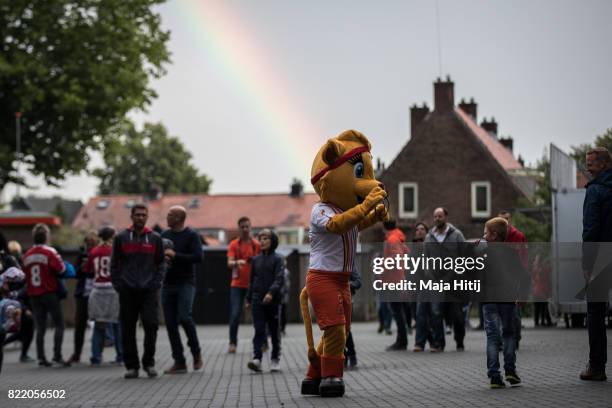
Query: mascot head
point(342, 173)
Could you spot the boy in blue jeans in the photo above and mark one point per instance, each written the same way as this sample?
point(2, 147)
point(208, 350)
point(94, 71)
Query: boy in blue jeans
point(503, 279)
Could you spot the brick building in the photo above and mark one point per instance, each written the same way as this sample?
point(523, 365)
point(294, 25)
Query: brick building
point(453, 162)
point(212, 215)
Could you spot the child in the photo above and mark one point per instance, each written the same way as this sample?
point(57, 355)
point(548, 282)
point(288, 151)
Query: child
point(104, 300)
point(264, 296)
point(503, 276)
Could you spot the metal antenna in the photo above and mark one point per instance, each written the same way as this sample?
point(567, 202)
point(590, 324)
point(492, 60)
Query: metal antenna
point(439, 42)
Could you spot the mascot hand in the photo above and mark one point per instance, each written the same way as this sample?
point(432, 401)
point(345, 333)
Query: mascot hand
point(381, 213)
point(374, 198)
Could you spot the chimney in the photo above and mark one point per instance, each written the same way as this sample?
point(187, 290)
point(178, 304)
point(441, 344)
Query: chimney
point(297, 189)
point(417, 114)
point(490, 126)
point(469, 108)
point(444, 95)
point(507, 142)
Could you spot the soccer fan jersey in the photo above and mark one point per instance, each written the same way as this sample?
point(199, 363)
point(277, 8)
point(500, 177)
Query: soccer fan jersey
point(42, 265)
point(99, 262)
point(330, 252)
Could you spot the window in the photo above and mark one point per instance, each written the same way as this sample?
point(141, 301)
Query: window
point(481, 199)
point(408, 200)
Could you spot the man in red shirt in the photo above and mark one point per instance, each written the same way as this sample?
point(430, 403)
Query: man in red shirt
point(395, 244)
point(42, 266)
point(239, 254)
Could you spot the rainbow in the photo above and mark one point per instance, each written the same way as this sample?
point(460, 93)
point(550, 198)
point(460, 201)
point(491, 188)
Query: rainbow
point(230, 45)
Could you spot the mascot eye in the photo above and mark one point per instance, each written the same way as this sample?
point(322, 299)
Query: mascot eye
point(358, 170)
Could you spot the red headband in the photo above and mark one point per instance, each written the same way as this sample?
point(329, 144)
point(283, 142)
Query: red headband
point(338, 163)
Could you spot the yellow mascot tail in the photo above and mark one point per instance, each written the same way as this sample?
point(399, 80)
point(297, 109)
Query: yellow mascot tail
point(312, 353)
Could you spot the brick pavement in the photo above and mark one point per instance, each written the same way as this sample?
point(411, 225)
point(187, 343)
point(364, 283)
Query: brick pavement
point(549, 361)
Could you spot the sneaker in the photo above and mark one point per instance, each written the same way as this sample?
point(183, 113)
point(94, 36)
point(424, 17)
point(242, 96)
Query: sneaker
point(460, 347)
point(255, 365)
point(388, 332)
point(497, 382)
point(133, 373)
point(25, 359)
point(274, 366)
point(197, 362)
point(74, 359)
point(231, 349)
point(151, 371)
point(512, 378)
point(436, 349)
point(589, 375)
point(418, 349)
point(59, 362)
point(397, 347)
point(94, 364)
point(176, 369)
point(380, 329)
point(44, 363)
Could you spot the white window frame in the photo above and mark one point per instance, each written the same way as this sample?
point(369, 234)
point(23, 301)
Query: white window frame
point(481, 214)
point(408, 214)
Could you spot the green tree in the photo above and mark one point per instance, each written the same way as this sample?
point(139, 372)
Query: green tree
point(579, 152)
point(74, 68)
point(138, 161)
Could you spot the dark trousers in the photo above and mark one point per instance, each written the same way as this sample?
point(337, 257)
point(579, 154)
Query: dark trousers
point(25, 334)
point(456, 317)
point(177, 302)
point(132, 304)
point(541, 314)
point(266, 317)
point(41, 306)
point(401, 314)
point(598, 342)
point(283, 318)
point(80, 324)
point(236, 303)
point(349, 350)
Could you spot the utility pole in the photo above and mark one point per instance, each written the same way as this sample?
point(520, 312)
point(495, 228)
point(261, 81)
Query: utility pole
point(18, 147)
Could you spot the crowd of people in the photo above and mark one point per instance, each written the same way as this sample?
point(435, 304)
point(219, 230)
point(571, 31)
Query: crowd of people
point(120, 275)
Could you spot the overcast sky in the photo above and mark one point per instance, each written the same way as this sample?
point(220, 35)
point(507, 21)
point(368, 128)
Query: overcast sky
point(255, 87)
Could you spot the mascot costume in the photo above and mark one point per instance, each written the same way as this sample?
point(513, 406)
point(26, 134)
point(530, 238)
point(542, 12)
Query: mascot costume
point(351, 199)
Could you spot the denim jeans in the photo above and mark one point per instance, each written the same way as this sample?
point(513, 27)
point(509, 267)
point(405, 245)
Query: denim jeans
point(236, 302)
point(98, 338)
point(384, 314)
point(500, 317)
point(177, 302)
point(429, 321)
point(266, 319)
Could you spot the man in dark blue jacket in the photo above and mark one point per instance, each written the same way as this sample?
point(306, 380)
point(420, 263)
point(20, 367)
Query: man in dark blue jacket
point(179, 288)
point(597, 227)
point(137, 270)
point(264, 296)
